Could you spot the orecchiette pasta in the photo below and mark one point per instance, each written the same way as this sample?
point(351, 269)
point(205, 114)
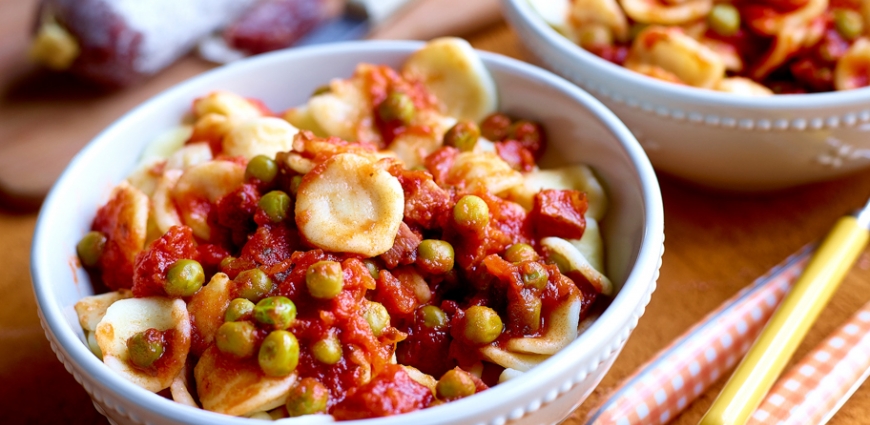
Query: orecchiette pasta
point(227, 104)
point(853, 70)
point(784, 46)
point(204, 183)
point(602, 12)
point(259, 136)
point(127, 317)
point(671, 50)
point(356, 257)
point(666, 13)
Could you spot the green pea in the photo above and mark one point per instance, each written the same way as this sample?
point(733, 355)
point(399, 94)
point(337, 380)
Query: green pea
point(635, 29)
point(520, 252)
point(145, 348)
point(184, 278)
point(276, 205)
point(324, 279)
point(463, 136)
point(279, 312)
point(279, 354)
point(471, 212)
point(397, 106)
point(307, 397)
point(253, 284)
point(294, 184)
point(561, 262)
point(261, 168)
point(90, 248)
point(237, 339)
point(322, 90)
point(227, 262)
point(377, 317)
point(534, 275)
point(455, 384)
point(433, 317)
point(724, 19)
point(327, 350)
point(848, 23)
point(595, 36)
point(239, 308)
point(482, 325)
point(372, 268)
point(435, 256)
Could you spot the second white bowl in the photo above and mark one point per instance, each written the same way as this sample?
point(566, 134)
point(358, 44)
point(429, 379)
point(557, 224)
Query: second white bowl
point(711, 138)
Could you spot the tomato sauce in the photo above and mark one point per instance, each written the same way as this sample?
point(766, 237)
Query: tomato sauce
point(365, 382)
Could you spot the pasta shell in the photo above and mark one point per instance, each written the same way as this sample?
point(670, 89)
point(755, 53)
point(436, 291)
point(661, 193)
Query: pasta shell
point(129, 225)
point(163, 211)
point(227, 104)
point(727, 52)
point(188, 156)
point(575, 177)
point(205, 182)
point(349, 204)
point(208, 307)
point(452, 71)
point(591, 245)
point(508, 374)
point(785, 46)
point(665, 12)
point(675, 52)
point(127, 317)
point(179, 389)
point(485, 170)
point(421, 378)
point(156, 153)
point(517, 361)
point(260, 136)
point(345, 111)
point(301, 118)
point(780, 23)
point(561, 329)
point(238, 387)
point(743, 86)
point(554, 12)
point(853, 69)
point(570, 259)
point(92, 309)
point(602, 12)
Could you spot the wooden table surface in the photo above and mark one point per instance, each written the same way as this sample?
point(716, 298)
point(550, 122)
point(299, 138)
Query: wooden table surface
point(716, 243)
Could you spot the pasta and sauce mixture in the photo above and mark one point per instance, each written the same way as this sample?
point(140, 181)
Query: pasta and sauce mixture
point(755, 48)
point(389, 246)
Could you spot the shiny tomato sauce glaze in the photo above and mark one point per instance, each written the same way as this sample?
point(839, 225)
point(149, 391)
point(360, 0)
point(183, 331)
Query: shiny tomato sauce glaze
point(808, 70)
point(481, 277)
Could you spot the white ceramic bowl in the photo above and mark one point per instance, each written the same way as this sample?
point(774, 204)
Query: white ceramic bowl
point(581, 130)
point(712, 138)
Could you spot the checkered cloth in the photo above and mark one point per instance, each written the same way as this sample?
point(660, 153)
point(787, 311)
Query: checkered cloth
point(815, 388)
point(663, 387)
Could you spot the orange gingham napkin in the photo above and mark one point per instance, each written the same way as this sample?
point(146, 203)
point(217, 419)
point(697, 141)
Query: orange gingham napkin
point(664, 386)
point(815, 388)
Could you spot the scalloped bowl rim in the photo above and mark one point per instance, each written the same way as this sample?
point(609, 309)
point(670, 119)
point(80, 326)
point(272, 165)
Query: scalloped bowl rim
point(684, 93)
point(627, 302)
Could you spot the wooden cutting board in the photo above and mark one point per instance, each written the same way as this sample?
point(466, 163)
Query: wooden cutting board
point(45, 118)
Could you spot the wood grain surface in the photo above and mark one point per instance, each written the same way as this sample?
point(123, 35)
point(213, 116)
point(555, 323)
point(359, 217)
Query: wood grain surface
point(716, 243)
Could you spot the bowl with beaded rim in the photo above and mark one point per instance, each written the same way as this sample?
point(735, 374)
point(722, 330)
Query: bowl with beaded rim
point(712, 138)
point(581, 130)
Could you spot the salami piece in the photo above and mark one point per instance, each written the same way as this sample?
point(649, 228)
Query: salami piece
point(276, 24)
point(117, 43)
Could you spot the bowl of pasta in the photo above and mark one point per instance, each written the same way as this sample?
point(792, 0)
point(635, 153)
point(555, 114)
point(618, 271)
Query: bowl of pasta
point(737, 95)
point(386, 232)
